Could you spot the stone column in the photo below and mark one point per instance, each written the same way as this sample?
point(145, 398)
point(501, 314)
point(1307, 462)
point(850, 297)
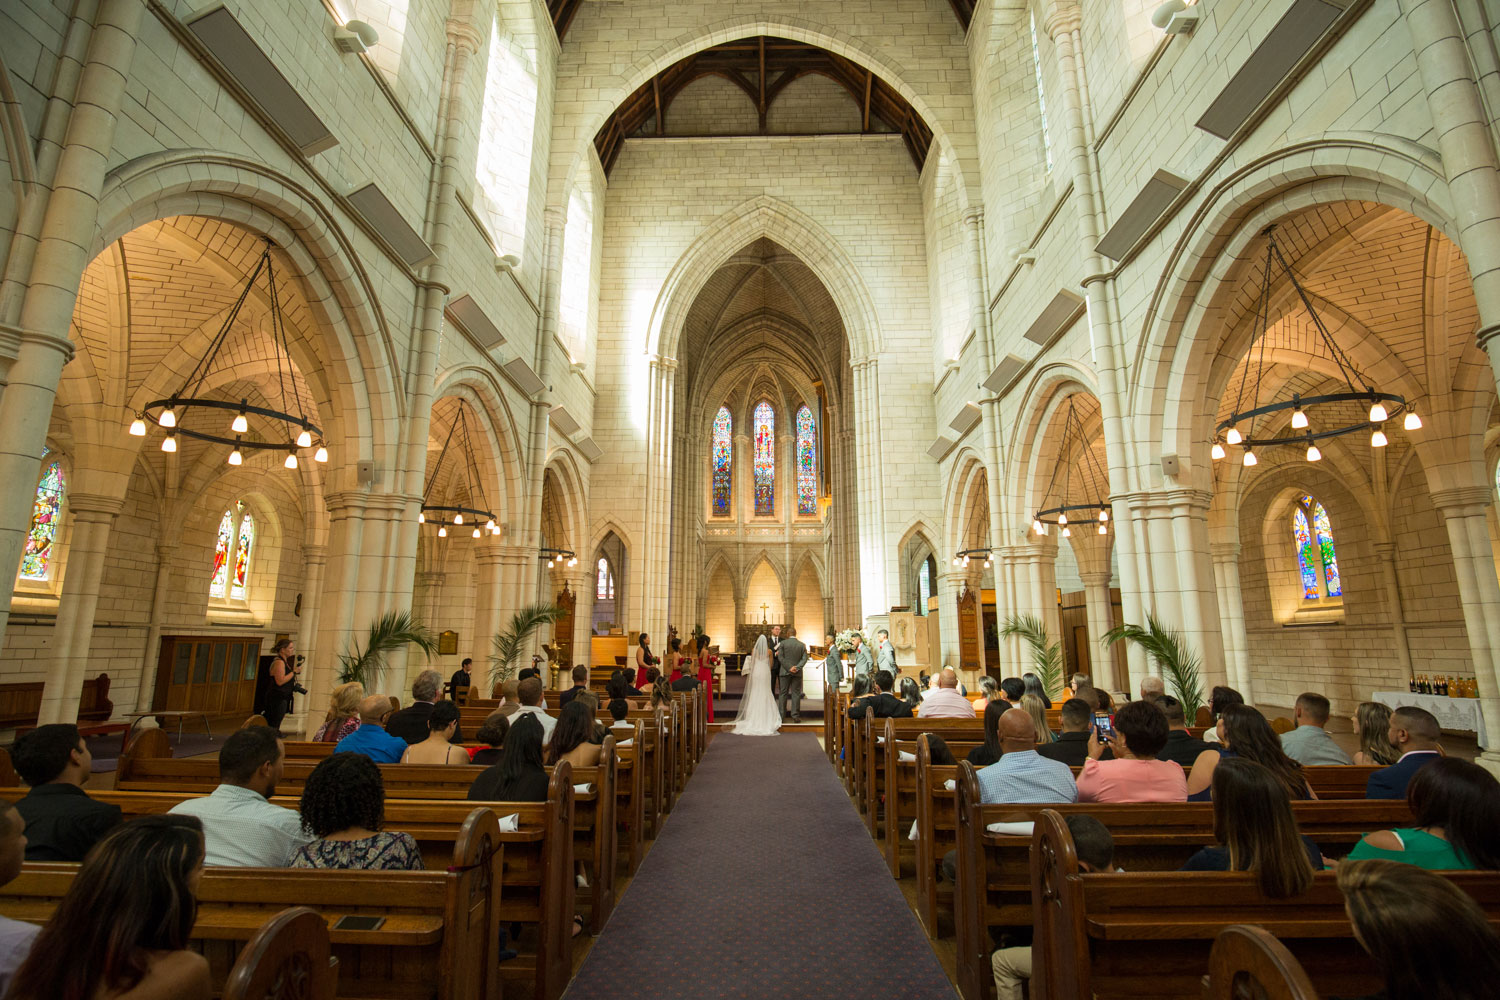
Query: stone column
point(340, 593)
point(555, 223)
point(166, 554)
point(488, 566)
point(950, 585)
point(1226, 557)
point(873, 565)
point(314, 562)
point(1097, 607)
point(1463, 512)
point(1385, 552)
point(91, 517)
point(651, 563)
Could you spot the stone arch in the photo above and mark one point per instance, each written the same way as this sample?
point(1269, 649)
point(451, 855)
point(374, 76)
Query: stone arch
point(1040, 410)
point(479, 389)
point(749, 569)
point(562, 466)
point(959, 499)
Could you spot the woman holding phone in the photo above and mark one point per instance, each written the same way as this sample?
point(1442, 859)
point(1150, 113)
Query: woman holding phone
point(1135, 775)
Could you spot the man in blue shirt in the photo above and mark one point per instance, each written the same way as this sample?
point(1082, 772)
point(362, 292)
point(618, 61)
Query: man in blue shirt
point(370, 738)
point(1021, 774)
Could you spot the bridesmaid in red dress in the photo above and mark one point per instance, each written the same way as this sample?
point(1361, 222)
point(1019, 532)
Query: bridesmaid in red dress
point(674, 658)
point(643, 661)
point(706, 672)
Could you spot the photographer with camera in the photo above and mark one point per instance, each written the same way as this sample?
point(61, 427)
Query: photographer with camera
point(285, 669)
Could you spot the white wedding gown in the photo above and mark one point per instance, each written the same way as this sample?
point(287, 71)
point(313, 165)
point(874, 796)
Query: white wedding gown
point(758, 714)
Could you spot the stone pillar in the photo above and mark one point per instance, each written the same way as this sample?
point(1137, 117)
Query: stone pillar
point(1226, 557)
point(555, 223)
point(875, 584)
point(1097, 607)
point(314, 562)
point(488, 572)
point(651, 564)
point(1463, 512)
point(92, 517)
point(950, 585)
point(340, 593)
point(146, 690)
point(1385, 552)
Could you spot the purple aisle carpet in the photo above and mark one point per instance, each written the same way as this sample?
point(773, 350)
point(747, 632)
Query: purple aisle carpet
point(763, 884)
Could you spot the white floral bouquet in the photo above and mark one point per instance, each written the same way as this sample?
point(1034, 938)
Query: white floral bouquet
point(844, 641)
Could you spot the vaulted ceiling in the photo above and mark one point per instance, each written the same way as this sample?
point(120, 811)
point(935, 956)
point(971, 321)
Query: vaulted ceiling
point(563, 11)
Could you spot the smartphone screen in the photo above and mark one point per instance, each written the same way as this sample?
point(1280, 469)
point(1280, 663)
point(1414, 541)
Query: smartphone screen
point(1101, 723)
point(358, 922)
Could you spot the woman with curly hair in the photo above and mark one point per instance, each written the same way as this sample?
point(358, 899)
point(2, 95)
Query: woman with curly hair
point(343, 805)
point(124, 926)
point(343, 713)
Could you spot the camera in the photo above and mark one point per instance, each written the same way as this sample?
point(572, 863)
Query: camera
point(299, 689)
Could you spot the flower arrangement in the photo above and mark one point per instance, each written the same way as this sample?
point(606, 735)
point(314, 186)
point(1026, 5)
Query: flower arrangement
point(844, 641)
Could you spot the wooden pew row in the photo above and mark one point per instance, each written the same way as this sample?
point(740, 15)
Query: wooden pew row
point(1135, 934)
point(879, 754)
point(290, 947)
point(994, 870)
point(1249, 961)
point(142, 769)
point(438, 941)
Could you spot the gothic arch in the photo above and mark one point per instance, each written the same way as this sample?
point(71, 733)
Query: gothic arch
point(958, 503)
point(479, 389)
point(1037, 419)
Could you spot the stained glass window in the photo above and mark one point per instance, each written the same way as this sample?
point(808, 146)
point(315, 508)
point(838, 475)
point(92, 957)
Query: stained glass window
point(1323, 534)
point(765, 460)
point(924, 586)
point(46, 516)
point(1306, 555)
point(807, 463)
point(242, 557)
point(723, 463)
point(219, 582)
point(606, 587)
point(1316, 558)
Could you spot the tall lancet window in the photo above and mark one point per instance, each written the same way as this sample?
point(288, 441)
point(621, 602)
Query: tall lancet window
point(1041, 94)
point(807, 462)
point(46, 518)
point(232, 551)
point(723, 463)
point(1316, 558)
point(765, 460)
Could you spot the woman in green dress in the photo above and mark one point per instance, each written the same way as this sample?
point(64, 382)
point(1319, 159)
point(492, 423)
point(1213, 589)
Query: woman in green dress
point(1456, 806)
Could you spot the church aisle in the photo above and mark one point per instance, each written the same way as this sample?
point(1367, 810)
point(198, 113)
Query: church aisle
point(763, 884)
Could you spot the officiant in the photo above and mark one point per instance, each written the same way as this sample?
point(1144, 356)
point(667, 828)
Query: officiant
point(774, 641)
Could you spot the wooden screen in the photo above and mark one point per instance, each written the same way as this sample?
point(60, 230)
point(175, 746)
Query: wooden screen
point(562, 632)
point(968, 630)
point(206, 673)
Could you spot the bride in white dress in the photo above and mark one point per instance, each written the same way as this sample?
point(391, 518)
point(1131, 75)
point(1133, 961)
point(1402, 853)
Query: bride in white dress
point(758, 715)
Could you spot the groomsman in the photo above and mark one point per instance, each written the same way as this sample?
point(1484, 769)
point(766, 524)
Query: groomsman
point(775, 643)
point(833, 664)
point(863, 665)
point(885, 656)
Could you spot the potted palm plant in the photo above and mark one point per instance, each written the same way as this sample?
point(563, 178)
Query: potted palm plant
point(1178, 662)
point(1046, 655)
point(392, 631)
point(510, 642)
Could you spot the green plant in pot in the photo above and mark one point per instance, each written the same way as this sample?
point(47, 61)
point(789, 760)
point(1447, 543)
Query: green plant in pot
point(1179, 663)
point(1046, 655)
point(510, 642)
point(392, 631)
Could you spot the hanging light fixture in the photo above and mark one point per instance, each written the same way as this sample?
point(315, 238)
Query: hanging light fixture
point(962, 559)
point(556, 557)
point(188, 410)
point(1070, 499)
point(1382, 406)
point(444, 514)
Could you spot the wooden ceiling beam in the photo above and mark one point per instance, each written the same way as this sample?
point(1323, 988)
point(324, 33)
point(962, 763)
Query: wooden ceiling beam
point(656, 92)
point(869, 86)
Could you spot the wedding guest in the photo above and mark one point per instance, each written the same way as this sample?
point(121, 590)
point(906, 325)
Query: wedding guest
point(124, 926)
point(989, 690)
point(1219, 699)
point(938, 750)
point(530, 692)
point(410, 723)
point(1011, 690)
point(911, 694)
point(1072, 745)
point(944, 701)
point(570, 738)
point(673, 663)
point(240, 825)
point(580, 684)
point(644, 658)
point(343, 713)
point(343, 806)
point(1032, 684)
point(1076, 681)
point(1153, 687)
point(1372, 723)
point(1032, 706)
point(438, 747)
point(883, 705)
point(1244, 732)
point(860, 688)
point(62, 823)
point(1256, 832)
point(509, 694)
point(1135, 775)
point(1430, 939)
point(1021, 774)
point(1456, 806)
point(520, 776)
point(1415, 733)
point(885, 653)
point(990, 750)
point(492, 735)
point(1310, 743)
point(370, 738)
point(661, 693)
point(1182, 746)
point(16, 936)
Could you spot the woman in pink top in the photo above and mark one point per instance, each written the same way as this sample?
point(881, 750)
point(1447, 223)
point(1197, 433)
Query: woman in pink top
point(1135, 775)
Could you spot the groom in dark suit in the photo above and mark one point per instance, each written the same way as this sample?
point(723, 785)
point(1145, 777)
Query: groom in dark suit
point(791, 657)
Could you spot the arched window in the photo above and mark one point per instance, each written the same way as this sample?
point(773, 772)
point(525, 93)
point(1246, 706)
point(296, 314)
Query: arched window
point(807, 463)
point(605, 591)
point(765, 460)
point(46, 518)
point(723, 463)
point(924, 585)
point(1316, 558)
point(1041, 95)
point(232, 551)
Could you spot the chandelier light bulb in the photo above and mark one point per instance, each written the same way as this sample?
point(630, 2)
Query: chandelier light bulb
point(1103, 514)
point(168, 418)
point(235, 458)
point(239, 425)
point(955, 560)
point(304, 440)
point(986, 564)
point(1377, 439)
point(321, 455)
point(1217, 451)
point(421, 517)
point(291, 460)
point(169, 443)
point(1299, 419)
point(1232, 436)
point(1313, 454)
point(476, 532)
point(138, 428)
point(574, 562)
point(443, 531)
point(1411, 423)
point(1378, 414)
point(1103, 529)
point(1036, 526)
point(1067, 532)
point(966, 562)
point(490, 524)
point(1250, 458)
point(458, 518)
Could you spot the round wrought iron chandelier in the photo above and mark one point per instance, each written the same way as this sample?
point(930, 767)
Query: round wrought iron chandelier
point(1070, 509)
point(556, 557)
point(190, 413)
point(1383, 406)
point(445, 514)
point(961, 560)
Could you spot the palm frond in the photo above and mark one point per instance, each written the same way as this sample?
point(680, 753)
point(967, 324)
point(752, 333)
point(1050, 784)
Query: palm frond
point(510, 642)
point(1180, 665)
point(392, 631)
point(1046, 655)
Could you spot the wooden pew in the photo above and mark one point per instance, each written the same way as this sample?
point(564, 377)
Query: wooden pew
point(994, 870)
point(438, 941)
point(1248, 961)
point(292, 947)
point(1132, 934)
point(901, 793)
point(880, 754)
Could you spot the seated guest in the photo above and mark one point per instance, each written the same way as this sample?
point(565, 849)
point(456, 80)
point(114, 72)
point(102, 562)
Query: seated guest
point(1096, 853)
point(883, 705)
point(343, 805)
point(911, 694)
point(1072, 745)
point(411, 722)
point(343, 713)
point(619, 708)
point(1256, 832)
point(437, 748)
point(1430, 939)
point(1092, 696)
point(580, 683)
point(1372, 727)
point(16, 936)
point(937, 749)
point(461, 679)
point(492, 735)
point(1135, 775)
point(661, 693)
point(1456, 806)
point(1032, 684)
point(685, 680)
point(1415, 733)
point(1011, 690)
point(1309, 743)
point(1106, 702)
point(1076, 681)
point(370, 738)
point(989, 690)
point(510, 699)
point(1182, 746)
point(944, 701)
point(631, 690)
point(570, 738)
point(1245, 733)
point(1220, 698)
point(240, 827)
point(530, 692)
point(62, 822)
point(1032, 706)
point(1153, 687)
point(1021, 774)
point(520, 776)
point(124, 926)
point(990, 750)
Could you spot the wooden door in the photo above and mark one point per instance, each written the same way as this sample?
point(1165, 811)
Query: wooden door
point(562, 633)
point(214, 674)
point(968, 630)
